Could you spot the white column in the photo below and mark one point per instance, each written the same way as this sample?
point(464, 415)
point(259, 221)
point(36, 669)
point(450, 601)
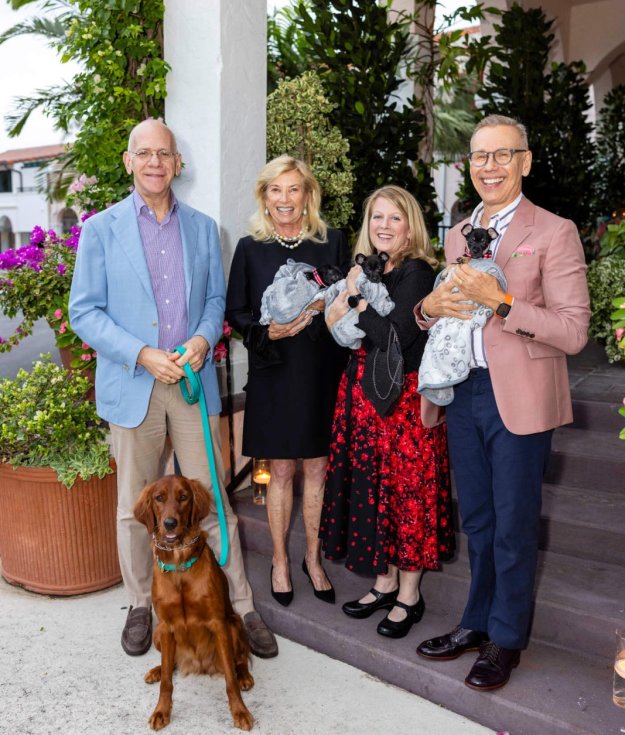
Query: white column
point(216, 102)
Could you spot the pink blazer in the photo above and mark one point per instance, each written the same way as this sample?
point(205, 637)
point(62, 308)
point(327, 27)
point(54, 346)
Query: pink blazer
point(543, 261)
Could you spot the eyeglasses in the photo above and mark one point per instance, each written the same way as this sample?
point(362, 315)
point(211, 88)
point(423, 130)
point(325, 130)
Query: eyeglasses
point(502, 156)
point(144, 155)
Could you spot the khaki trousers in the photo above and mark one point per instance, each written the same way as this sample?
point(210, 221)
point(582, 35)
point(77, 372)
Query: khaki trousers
point(140, 454)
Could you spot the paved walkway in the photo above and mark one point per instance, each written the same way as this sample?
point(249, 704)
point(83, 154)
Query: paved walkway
point(62, 670)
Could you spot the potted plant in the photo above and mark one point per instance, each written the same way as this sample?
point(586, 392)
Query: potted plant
point(34, 282)
point(57, 484)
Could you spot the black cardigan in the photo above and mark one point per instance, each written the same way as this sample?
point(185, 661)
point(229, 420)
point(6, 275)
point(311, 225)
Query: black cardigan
point(408, 284)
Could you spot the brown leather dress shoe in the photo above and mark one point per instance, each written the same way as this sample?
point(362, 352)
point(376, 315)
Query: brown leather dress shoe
point(493, 667)
point(262, 641)
point(450, 646)
point(137, 633)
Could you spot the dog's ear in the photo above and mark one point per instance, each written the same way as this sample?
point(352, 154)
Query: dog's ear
point(383, 257)
point(467, 229)
point(492, 233)
point(201, 502)
point(143, 508)
point(360, 258)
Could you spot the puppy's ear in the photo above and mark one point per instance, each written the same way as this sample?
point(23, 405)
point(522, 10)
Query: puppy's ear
point(143, 508)
point(467, 229)
point(201, 502)
point(384, 257)
point(492, 233)
point(360, 258)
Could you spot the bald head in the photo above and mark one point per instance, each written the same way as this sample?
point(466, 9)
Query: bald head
point(153, 161)
point(150, 126)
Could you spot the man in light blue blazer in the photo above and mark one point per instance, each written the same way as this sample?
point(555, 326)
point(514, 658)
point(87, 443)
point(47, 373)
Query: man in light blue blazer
point(148, 278)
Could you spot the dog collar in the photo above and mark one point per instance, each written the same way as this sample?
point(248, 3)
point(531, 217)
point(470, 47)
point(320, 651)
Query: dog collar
point(177, 567)
point(317, 279)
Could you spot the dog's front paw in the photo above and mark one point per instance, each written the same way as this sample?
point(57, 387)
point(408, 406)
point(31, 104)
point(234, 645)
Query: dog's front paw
point(159, 719)
point(243, 719)
point(246, 680)
point(153, 675)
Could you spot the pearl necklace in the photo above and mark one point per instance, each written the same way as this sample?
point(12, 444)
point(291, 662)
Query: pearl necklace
point(289, 242)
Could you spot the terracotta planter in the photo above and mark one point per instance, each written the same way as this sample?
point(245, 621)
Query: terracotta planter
point(54, 540)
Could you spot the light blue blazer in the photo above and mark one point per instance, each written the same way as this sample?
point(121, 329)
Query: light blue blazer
point(112, 306)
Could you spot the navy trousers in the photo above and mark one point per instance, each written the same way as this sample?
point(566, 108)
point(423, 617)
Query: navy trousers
point(499, 484)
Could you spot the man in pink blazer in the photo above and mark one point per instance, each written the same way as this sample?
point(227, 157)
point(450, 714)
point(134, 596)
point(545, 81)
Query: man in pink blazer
point(502, 417)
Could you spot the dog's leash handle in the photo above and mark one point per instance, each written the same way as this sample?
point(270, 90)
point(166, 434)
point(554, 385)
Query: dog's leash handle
point(194, 393)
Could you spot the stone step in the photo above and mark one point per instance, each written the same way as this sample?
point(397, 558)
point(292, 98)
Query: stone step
point(587, 459)
point(598, 415)
point(586, 524)
point(553, 692)
point(579, 603)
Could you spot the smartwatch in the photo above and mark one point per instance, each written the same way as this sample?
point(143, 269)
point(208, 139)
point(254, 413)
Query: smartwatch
point(354, 299)
point(503, 309)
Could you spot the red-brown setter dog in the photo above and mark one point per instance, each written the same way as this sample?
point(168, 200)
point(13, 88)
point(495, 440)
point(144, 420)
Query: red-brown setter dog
point(198, 631)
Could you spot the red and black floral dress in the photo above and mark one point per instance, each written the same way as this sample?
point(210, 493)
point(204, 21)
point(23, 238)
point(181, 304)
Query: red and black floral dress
point(388, 498)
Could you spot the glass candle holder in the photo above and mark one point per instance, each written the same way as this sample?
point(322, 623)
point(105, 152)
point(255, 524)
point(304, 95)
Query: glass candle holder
point(618, 688)
point(261, 471)
point(260, 493)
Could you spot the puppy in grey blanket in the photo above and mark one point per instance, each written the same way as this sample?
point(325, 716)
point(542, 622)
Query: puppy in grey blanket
point(295, 287)
point(369, 283)
point(448, 351)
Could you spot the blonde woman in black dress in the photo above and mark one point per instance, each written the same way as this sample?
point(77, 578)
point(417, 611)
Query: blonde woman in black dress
point(294, 368)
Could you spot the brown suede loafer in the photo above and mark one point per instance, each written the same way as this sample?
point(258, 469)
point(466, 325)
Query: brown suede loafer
point(262, 641)
point(137, 633)
point(493, 667)
point(450, 646)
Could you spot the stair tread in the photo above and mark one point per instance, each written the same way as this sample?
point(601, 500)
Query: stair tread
point(596, 508)
point(591, 443)
point(543, 695)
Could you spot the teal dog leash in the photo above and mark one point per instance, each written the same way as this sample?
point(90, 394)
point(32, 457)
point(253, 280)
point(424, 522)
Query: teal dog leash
point(196, 395)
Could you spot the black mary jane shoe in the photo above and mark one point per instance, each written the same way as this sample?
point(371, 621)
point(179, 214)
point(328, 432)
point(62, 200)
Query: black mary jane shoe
point(383, 601)
point(392, 629)
point(325, 595)
point(284, 598)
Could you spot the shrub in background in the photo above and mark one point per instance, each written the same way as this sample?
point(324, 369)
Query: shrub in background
point(45, 421)
point(298, 124)
point(606, 277)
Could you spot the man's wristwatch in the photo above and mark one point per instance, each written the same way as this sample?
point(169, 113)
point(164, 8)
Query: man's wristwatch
point(503, 309)
point(354, 299)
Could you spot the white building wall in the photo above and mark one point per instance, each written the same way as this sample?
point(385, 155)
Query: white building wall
point(216, 105)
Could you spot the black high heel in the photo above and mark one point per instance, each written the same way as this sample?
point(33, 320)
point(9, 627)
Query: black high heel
point(284, 598)
point(383, 601)
point(392, 629)
point(325, 595)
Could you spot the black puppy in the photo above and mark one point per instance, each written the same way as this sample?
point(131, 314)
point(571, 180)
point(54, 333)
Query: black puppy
point(372, 265)
point(478, 239)
point(324, 275)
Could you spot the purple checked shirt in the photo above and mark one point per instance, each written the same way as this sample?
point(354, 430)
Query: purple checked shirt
point(162, 244)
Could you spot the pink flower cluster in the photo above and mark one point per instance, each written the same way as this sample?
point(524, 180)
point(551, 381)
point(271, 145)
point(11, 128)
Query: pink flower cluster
point(221, 348)
point(82, 182)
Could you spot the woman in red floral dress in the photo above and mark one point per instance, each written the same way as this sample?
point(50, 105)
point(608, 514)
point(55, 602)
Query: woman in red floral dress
point(387, 503)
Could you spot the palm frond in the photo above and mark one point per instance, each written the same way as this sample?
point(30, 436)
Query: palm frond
point(52, 29)
point(50, 101)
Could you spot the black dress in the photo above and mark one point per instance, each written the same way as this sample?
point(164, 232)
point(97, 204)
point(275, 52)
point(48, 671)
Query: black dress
point(292, 382)
point(388, 495)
